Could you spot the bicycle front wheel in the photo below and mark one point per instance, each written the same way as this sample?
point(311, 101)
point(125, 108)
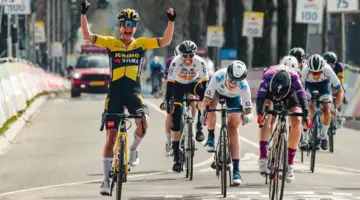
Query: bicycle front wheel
point(224, 152)
point(331, 134)
point(190, 151)
point(278, 174)
point(315, 141)
point(120, 169)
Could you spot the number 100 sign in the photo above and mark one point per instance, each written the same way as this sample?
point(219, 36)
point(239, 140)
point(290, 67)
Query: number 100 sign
point(253, 24)
point(309, 11)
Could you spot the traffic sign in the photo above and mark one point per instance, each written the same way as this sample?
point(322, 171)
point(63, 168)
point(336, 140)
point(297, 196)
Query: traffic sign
point(309, 11)
point(215, 36)
point(228, 53)
point(342, 6)
point(11, 2)
point(19, 9)
point(253, 24)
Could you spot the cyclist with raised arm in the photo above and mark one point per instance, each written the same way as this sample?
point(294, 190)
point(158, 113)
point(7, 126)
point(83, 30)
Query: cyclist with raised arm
point(187, 75)
point(126, 56)
point(299, 54)
point(281, 84)
point(168, 118)
point(318, 75)
point(229, 84)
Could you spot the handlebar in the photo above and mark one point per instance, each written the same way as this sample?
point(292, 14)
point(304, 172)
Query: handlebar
point(240, 109)
point(277, 112)
point(124, 116)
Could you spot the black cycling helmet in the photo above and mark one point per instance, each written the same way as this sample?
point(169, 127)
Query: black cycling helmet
point(237, 70)
point(187, 47)
point(298, 53)
point(280, 84)
point(330, 57)
point(128, 15)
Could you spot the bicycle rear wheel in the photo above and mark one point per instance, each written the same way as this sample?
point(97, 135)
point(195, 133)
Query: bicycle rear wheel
point(121, 169)
point(223, 149)
point(279, 171)
point(315, 132)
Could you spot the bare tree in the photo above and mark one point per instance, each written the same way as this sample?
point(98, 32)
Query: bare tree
point(298, 31)
point(190, 19)
point(262, 46)
point(282, 27)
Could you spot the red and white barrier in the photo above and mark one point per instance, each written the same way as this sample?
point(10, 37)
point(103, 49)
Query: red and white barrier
point(20, 81)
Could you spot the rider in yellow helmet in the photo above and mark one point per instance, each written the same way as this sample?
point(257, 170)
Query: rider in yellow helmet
point(126, 56)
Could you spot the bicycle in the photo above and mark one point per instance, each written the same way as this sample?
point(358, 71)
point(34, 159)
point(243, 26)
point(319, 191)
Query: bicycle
point(222, 155)
point(157, 92)
point(120, 165)
point(277, 150)
point(314, 132)
point(187, 142)
point(332, 128)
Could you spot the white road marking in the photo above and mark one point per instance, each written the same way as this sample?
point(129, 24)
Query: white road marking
point(200, 164)
point(206, 162)
point(304, 192)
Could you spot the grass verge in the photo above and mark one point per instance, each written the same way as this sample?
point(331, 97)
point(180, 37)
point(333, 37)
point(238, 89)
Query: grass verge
point(7, 124)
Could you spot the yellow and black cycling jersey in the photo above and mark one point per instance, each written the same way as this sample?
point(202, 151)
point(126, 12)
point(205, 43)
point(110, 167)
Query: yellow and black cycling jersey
point(126, 60)
point(339, 71)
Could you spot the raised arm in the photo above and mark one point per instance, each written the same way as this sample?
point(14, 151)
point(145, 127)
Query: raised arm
point(84, 23)
point(168, 35)
point(87, 35)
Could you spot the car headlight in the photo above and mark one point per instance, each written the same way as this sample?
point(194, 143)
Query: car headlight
point(76, 75)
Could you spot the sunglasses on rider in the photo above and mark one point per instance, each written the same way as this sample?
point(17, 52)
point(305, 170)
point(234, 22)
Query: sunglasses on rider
point(131, 24)
point(190, 55)
point(232, 81)
point(315, 73)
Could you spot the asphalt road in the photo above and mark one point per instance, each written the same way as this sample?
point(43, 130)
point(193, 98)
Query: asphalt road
point(59, 156)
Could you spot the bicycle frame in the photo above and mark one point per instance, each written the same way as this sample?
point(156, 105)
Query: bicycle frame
point(224, 148)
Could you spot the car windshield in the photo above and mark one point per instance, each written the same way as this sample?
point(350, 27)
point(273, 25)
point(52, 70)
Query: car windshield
point(93, 62)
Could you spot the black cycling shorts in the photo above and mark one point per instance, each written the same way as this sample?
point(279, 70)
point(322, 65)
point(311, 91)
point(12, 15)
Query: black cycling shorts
point(179, 91)
point(290, 101)
point(116, 102)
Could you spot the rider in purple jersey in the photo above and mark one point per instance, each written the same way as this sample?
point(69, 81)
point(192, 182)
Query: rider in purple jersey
point(167, 65)
point(296, 89)
point(281, 84)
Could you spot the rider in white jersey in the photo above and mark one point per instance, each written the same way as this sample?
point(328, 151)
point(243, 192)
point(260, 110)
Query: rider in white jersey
point(228, 84)
point(318, 75)
point(187, 75)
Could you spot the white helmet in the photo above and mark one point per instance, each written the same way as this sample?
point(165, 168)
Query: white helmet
point(316, 63)
point(177, 51)
point(237, 70)
point(291, 62)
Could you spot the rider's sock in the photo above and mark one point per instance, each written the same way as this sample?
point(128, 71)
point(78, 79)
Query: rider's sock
point(211, 134)
point(136, 142)
point(175, 145)
point(324, 132)
point(235, 164)
point(107, 168)
point(291, 156)
point(168, 138)
point(263, 149)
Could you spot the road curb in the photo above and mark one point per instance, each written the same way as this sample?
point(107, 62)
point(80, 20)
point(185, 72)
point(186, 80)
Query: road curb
point(8, 137)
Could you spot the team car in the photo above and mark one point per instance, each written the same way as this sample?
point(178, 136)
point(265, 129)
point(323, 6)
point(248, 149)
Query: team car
point(91, 73)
